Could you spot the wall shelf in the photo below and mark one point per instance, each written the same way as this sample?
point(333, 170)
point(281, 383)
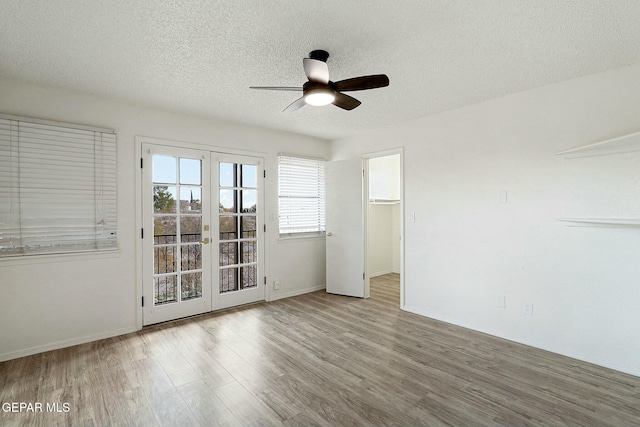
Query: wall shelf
point(608, 222)
point(384, 202)
point(622, 144)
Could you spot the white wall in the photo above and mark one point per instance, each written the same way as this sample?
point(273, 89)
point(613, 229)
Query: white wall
point(384, 177)
point(395, 238)
point(50, 302)
point(380, 242)
point(465, 249)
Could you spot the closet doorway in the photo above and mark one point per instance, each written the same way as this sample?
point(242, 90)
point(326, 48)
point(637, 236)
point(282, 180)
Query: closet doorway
point(384, 245)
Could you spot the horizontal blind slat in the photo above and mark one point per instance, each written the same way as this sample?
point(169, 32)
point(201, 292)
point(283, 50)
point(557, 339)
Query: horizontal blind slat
point(301, 195)
point(58, 188)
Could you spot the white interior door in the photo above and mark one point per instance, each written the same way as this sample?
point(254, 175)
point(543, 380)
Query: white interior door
point(345, 222)
point(176, 214)
point(238, 253)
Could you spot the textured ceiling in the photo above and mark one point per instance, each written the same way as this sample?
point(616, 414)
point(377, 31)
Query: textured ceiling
point(201, 56)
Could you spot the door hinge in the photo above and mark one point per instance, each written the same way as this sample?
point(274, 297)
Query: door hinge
point(362, 276)
point(142, 233)
point(265, 280)
point(265, 228)
point(264, 173)
point(143, 301)
point(141, 162)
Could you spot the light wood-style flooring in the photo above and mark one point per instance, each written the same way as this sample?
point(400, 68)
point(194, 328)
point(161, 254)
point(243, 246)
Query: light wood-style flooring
point(316, 359)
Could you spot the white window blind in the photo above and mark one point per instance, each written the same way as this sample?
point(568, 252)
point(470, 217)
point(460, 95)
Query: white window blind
point(57, 187)
point(301, 195)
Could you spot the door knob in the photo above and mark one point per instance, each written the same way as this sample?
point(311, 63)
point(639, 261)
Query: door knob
point(205, 241)
point(329, 234)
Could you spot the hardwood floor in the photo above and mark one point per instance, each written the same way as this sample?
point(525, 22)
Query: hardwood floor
point(316, 359)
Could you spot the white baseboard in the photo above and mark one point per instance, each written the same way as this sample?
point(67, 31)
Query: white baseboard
point(276, 296)
point(605, 364)
point(62, 344)
point(380, 273)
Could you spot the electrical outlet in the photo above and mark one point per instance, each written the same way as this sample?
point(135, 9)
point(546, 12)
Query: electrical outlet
point(276, 284)
point(528, 308)
point(502, 197)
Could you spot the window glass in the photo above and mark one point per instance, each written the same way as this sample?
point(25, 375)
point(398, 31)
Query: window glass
point(301, 195)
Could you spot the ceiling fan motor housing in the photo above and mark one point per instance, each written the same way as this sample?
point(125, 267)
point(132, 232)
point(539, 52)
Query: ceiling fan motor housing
point(319, 54)
point(310, 87)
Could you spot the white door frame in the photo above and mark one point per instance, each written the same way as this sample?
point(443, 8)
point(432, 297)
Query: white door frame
point(374, 155)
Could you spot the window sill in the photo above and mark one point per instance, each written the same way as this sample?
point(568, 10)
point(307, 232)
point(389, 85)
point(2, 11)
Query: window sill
point(17, 260)
point(301, 236)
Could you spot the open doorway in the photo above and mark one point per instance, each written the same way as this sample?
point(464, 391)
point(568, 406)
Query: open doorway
point(352, 245)
point(384, 227)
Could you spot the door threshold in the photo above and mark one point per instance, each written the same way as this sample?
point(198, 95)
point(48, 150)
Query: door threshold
point(219, 311)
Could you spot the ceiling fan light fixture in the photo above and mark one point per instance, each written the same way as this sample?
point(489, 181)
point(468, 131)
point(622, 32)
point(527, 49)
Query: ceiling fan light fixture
point(319, 97)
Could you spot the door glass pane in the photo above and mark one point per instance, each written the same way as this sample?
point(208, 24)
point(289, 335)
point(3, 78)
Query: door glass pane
point(164, 259)
point(228, 227)
point(249, 277)
point(190, 172)
point(164, 199)
point(190, 228)
point(249, 227)
point(227, 175)
point(228, 253)
point(191, 200)
point(249, 198)
point(249, 252)
point(227, 201)
point(164, 169)
point(228, 280)
point(249, 178)
point(191, 256)
point(191, 286)
point(165, 289)
point(164, 229)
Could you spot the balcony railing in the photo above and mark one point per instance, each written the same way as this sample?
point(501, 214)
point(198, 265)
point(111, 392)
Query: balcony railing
point(232, 253)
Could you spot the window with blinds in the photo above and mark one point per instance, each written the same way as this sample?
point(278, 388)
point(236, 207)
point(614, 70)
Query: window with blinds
point(301, 195)
point(57, 187)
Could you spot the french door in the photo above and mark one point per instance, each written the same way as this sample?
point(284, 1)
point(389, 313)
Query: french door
point(197, 258)
point(238, 277)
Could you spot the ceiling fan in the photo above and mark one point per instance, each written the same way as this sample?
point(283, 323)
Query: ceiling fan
point(319, 90)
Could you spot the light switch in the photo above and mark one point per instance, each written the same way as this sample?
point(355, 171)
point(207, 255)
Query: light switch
point(502, 197)
point(412, 217)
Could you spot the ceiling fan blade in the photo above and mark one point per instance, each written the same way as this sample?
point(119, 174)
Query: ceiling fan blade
point(316, 71)
point(345, 102)
point(363, 83)
point(295, 105)
point(276, 88)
